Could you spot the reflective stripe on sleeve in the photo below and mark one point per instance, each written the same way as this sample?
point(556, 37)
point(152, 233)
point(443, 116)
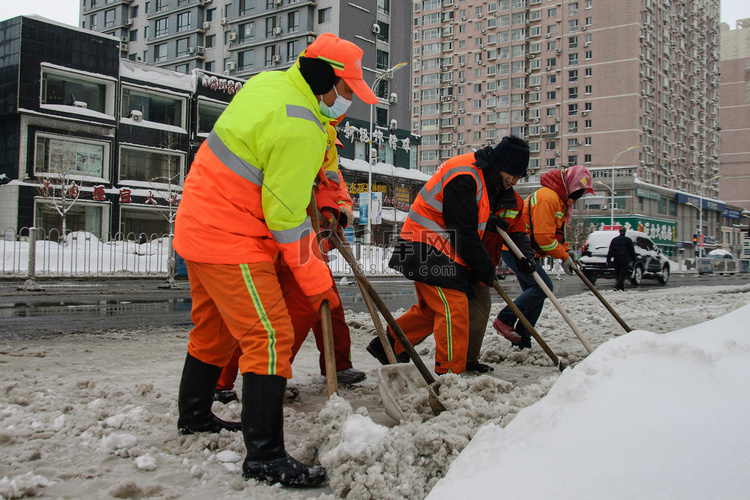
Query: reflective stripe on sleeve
point(293, 234)
point(233, 162)
point(549, 247)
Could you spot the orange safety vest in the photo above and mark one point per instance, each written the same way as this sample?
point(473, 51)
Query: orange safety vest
point(425, 222)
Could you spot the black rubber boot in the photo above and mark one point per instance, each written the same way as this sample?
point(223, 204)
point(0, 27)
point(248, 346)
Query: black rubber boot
point(375, 348)
point(263, 430)
point(197, 389)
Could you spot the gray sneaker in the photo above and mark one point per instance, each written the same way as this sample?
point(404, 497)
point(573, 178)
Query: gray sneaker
point(350, 376)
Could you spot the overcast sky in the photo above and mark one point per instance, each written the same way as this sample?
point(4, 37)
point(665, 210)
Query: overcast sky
point(66, 11)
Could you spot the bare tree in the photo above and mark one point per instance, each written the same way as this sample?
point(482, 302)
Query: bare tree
point(58, 185)
point(172, 197)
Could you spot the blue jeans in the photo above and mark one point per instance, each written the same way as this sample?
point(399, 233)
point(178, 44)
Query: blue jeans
point(530, 301)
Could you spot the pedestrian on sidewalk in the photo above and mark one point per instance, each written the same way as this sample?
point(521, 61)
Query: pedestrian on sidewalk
point(622, 254)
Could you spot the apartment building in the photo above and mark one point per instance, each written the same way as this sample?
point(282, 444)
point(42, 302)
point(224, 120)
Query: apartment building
point(735, 113)
point(583, 81)
point(735, 134)
point(244, 37)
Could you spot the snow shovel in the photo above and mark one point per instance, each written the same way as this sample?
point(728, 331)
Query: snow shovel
point(407, 373)
point(599, 296)
point(527, 325)
point(332, 383)
point(514, 248)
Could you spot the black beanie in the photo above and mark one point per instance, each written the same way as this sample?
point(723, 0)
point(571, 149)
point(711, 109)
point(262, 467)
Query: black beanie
point(318, 74)
point(511, 158)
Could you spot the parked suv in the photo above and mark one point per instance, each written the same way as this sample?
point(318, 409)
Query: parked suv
point(650, 261)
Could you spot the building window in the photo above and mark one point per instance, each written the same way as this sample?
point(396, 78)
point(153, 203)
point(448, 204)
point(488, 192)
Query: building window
point(572, 92)
point(149, 165)
point(572, 160)
point(160, 53)
point(162, 26)
point(182, 68)
point(270, 25)
point(551, 95)
point(247, 7)
point(246, 60)
point(270, 53)
point(64, 88)
point(162, 5)
point(384, 35)
point(588, 72)
point(384, 6)
point(209, 65)
point(589, 55)
point(573, 126)
point(92, 22)
point(382, 59)
point(63, 158)
point(153, 106)
point(587, 141)
point(246, 32)
point(572, 109)
point(182, 47)
point(573, 75)
point(587, 158)
point(292, 50)
point(587, 124)
point(183, 22)
point(292, 22)
point(210, 41)
point(573, 59)
point(551, 162)
point(589, 89)
point(109, 18)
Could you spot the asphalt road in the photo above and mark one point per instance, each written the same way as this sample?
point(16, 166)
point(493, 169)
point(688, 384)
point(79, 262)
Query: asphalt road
point(67, 306)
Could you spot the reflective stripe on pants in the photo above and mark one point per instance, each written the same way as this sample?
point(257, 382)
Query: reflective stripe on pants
point(446, 313)
point(240, 304)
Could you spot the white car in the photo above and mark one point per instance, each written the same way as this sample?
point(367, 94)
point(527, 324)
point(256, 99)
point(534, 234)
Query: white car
point(650, 261)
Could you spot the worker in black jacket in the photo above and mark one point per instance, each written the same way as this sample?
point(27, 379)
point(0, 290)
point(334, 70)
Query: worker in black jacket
point(622, 253)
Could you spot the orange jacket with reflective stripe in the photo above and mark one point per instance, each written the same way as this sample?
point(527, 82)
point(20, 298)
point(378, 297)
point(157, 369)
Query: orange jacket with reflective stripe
point(246, 196)
point(425, 222)
point(544, 216)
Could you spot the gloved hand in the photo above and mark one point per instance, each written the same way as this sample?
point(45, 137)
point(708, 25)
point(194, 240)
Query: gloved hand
point(496, 222)
point(526, 266)
point(329, 222)
point(489, 279)
point(346, 217)
point(330, 295)
point(567, 265)
point(573, 255)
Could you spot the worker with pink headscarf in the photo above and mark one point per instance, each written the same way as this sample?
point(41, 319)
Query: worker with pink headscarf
point(546, 212)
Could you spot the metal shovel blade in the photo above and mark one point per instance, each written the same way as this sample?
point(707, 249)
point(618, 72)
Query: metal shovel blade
point(400, 380)
point(395, 382)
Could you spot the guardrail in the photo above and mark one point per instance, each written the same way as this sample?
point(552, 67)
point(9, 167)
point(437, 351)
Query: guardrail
point(34, 253)
point(723, 266)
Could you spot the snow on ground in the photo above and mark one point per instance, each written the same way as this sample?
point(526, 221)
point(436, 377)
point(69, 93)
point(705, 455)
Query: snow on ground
point(94, 415)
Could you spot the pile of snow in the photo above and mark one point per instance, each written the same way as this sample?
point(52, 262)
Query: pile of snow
point(648, 414)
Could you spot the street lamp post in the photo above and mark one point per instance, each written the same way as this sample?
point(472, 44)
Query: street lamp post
point(612, 205)
point(700, 215)
point(385, 74)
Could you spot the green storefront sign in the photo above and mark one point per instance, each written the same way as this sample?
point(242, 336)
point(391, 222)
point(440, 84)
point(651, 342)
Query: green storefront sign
point(661, 231)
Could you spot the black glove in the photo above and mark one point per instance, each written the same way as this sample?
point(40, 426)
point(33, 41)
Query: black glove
point(526, 266)
point(496, 222)
point(490, 279)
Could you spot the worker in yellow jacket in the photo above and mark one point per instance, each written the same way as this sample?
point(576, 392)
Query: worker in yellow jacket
point(243, 206)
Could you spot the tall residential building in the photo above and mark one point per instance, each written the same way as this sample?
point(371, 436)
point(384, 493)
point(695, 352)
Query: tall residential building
point(735, 114)
point(581, 80)
point(241, 38)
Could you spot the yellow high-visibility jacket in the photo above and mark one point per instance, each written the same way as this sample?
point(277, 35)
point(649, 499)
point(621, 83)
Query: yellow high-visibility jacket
point(247, 192)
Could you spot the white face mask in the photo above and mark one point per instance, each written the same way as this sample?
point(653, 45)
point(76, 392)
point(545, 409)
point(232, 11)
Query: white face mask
point(339, 107)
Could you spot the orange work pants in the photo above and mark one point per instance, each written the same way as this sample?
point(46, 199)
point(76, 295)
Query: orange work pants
point(240, 305)
point(303, 319)
point(444, 312)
